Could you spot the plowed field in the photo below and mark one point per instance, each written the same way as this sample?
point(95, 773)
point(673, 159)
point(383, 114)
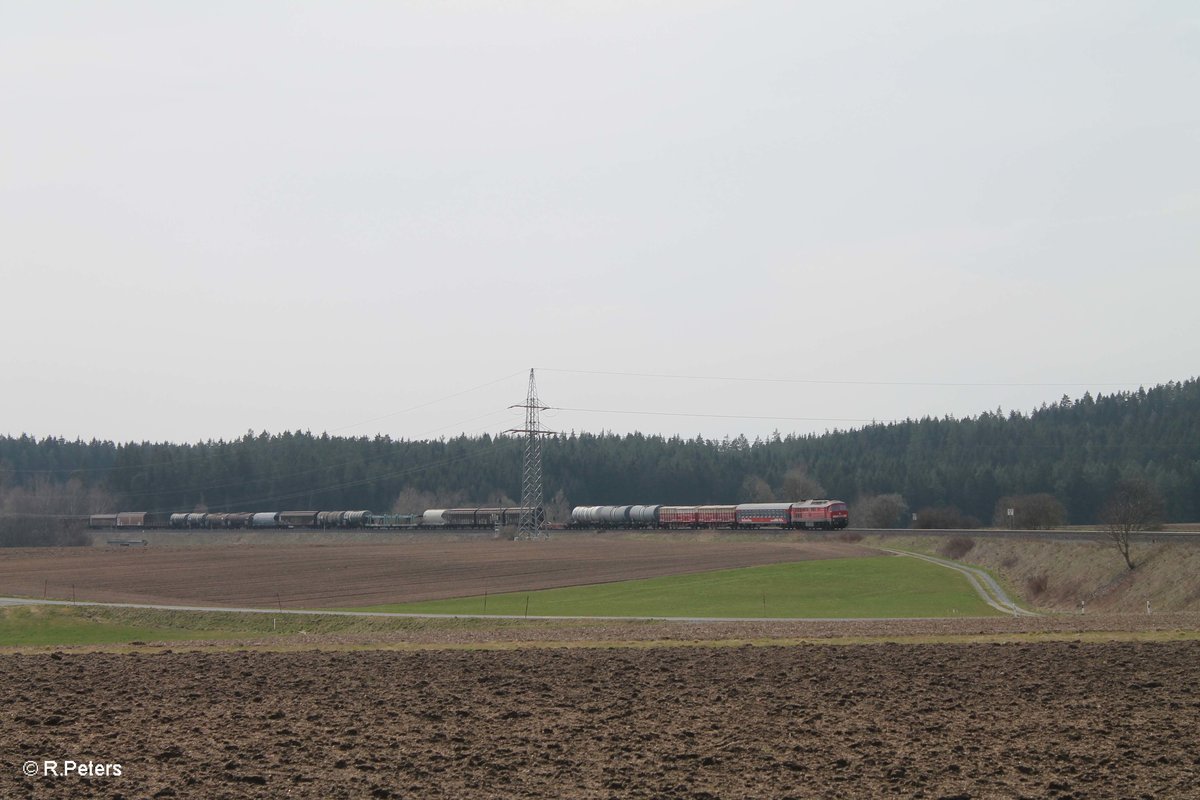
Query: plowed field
point(949, 721)
point(319, 576)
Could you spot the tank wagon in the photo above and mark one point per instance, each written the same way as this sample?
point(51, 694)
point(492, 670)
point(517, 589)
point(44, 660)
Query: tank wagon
point(614, 516)
point(434, 518)
point(802, 514)
point(232, 519)
point(265, 519)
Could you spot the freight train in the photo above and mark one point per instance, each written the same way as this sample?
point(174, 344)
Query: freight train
point(313, 520)
point(809, 514)
point(247, 519)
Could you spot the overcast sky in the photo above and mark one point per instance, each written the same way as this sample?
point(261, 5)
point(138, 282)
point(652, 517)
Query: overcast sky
point(217, 217)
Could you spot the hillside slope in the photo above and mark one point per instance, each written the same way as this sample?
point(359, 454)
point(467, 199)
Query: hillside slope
point(1057, 576)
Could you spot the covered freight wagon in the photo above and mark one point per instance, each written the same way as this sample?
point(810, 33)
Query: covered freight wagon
point(512, 515)
point(298, 519)
point(716, 516)
point(142, 519)
point(489, 517)
point(677, 516)
point(459, 517)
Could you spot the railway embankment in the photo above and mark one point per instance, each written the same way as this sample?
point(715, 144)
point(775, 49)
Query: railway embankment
point(1075, 576)
point(283, 536)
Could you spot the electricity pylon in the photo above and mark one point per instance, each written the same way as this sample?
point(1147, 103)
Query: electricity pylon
point(529, 525)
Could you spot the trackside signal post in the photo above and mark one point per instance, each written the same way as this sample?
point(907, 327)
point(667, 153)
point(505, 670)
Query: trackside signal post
point(529, 525)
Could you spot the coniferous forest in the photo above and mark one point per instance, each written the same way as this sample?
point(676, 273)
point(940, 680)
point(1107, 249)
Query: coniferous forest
point(1075, 450)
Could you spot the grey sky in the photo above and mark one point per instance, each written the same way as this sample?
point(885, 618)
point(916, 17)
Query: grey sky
point(224, 216)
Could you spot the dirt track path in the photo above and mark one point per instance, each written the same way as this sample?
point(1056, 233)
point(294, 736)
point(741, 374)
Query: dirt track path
point(983, 584)
point(11, 601)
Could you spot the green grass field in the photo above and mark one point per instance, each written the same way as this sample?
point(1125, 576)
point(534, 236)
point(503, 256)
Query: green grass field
point(59, 626)
point(859, 588)
point(855, 587)
point(26, 626)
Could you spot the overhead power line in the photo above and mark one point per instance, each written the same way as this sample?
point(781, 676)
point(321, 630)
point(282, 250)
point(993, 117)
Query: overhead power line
point(499, 442)
point(427, 404)
point(829, 382)
point(498, 439)
point(717, 416)
point(175, 461)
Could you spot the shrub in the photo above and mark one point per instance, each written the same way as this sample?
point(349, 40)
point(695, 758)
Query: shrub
point(943, 518)
point(879, 511)
point(956, 547)
point(1037, 585)
point(48, 514)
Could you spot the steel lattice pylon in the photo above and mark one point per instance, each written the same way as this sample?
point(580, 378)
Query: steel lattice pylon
point(530, 522)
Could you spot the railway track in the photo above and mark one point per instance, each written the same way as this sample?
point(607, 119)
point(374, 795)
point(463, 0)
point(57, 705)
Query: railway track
point(1142, 537)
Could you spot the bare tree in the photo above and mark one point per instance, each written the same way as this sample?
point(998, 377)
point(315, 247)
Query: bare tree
point(496, 497)
point(46, 513)
point(799, 485)
point(756, 490)
point(1133, 505)
point(413, 501)
point(879, 511)
point(559, 508)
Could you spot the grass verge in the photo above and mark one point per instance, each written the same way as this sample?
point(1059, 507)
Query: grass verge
point(293, 644)
point(63, 626)
point(58, 625)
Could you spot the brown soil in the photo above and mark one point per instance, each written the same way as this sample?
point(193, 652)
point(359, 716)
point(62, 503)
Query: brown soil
point(327, 576)
point(948, 721)
point(508, 633)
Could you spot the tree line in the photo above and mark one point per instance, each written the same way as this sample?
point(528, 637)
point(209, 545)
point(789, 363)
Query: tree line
point(1074, 452)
